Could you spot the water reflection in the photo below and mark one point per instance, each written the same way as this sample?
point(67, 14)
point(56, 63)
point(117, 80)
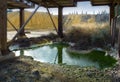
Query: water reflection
point(21, 52)
point(57, 54)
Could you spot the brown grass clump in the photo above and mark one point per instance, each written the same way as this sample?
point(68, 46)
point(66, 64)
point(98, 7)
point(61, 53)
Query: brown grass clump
point(89, 34)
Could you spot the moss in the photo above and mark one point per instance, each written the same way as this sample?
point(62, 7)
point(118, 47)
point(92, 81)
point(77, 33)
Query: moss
point(96, 56)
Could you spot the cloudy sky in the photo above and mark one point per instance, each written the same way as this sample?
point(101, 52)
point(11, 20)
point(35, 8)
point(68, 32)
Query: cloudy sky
point(81, 7)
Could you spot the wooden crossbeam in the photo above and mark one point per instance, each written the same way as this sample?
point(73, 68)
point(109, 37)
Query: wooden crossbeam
point(100, 2)
point(55, 3)
point(17, 4)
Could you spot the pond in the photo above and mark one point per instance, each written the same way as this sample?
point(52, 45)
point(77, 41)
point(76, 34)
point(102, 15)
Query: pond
point(57, 53)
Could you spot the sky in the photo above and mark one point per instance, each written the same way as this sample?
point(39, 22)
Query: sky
point(82, 7)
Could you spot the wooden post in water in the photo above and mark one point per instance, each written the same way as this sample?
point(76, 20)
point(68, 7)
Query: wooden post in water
point(3, 27)
point(22, 33)
point(60, 19)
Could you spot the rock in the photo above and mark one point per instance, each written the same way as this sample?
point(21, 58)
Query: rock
point(36, 73)
point(89, 73)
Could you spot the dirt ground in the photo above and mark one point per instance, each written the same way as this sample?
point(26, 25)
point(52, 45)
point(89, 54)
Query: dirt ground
point(25, 69)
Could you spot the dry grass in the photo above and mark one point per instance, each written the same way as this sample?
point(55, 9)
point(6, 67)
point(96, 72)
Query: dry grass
point(40, 20)
point(87, 32)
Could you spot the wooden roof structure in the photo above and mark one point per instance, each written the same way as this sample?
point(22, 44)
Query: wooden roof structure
point(13, 4)
point(72, 3)
point(55, 3)
point(101, 2)
point(104, 2)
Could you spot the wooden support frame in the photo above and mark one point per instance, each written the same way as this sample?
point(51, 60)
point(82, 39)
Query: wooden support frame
point(23, 26)
point(3, 27)
point(60, 22)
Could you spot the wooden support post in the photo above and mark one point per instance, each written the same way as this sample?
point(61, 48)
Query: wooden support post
point(60, 19)
point(113, 31)
point(22, 33)
point(112, 12)
point(112, 24)
point(119, 43)
point(3, 27)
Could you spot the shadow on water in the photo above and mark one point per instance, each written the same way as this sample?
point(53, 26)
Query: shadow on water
point(56, 53)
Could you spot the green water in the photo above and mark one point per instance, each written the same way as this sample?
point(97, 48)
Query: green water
point(57, 53)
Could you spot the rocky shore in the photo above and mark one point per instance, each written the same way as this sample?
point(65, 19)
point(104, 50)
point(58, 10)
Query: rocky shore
point(25, 69)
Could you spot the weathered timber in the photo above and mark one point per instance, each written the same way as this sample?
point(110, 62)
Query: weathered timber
point(112, 12)
point(23, 26)
point(113, 29)
point(13, 4)
point(60, 24)
point(112, 21)
point(3, 26)
point(55, 3)
point(22, 33)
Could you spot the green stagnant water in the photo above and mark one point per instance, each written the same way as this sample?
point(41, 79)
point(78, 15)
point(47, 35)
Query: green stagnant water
point(57, 53)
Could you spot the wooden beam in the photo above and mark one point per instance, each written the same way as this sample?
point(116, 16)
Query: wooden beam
point(22, 33)
point(112, 15)
point(3, 26)
point(113, 29)
point(60, 19)
point(55, 3)
point(13, 4)
point(112, 12)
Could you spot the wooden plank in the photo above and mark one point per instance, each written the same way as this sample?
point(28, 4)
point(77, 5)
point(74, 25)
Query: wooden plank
point(55, 3)
point(3, 26)
point(17, 4)
point(101, 2)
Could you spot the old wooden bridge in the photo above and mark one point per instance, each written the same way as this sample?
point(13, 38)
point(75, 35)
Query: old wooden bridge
point(60, 4)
